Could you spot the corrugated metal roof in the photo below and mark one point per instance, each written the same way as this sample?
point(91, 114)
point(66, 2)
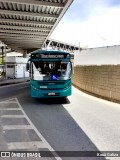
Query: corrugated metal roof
point(27, 24)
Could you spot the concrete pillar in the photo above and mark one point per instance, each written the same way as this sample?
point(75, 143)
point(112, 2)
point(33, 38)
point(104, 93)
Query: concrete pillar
point(5, 51)
point(25, 53)
point(2, 48)
point(3, 63)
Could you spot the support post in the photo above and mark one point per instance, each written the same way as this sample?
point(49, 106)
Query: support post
point(25, 53)
point(2, 54)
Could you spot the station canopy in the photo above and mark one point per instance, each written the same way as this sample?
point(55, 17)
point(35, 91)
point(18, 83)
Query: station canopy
point(27, 24)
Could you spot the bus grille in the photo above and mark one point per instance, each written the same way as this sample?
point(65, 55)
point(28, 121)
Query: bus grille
point(50, 83)
point(50, 88)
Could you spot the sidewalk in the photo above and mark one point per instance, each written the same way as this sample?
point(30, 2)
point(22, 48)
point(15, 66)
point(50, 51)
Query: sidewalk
point(4, 81)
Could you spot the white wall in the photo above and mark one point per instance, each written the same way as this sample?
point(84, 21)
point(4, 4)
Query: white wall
point(14, 54)
point(18, 69)
point(98, 56)
point(15, 60)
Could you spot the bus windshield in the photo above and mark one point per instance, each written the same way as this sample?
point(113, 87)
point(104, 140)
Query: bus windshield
point(49, 70)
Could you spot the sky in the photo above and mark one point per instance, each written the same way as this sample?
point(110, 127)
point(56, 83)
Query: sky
point(90, 23)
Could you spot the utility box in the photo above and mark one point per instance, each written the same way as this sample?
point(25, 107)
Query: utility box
point(16, 67)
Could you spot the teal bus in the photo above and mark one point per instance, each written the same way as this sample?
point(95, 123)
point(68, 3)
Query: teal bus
point(50, 73)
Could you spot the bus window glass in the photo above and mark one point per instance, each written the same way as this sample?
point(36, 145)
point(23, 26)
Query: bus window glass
point(44, 70)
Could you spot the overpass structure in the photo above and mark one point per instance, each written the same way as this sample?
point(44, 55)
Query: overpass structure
point(55, 44)
point(25, 25)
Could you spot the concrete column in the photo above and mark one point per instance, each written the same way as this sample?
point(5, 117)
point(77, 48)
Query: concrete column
point(5, 51)
point(2, 48)
point(25, 53)
point(3, 63)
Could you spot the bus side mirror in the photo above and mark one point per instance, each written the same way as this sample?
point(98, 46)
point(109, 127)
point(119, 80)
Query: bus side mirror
point(72, 62)
point(72, 57)
point(27, 67)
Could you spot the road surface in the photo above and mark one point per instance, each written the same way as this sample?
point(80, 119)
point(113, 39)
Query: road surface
point(78, 123)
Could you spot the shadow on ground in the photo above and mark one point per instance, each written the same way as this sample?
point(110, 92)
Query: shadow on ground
point(51, 101)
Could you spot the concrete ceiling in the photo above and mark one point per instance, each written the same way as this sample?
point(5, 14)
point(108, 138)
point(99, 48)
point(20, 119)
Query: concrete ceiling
point(27, 24)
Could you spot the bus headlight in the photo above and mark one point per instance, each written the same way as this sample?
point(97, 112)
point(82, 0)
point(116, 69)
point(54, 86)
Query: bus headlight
point(34, 88)
point(67, 87)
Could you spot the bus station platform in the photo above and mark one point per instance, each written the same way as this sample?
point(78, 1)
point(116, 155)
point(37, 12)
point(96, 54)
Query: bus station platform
point(4, 81)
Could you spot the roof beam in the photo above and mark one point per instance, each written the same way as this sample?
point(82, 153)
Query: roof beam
point(25, 44)
point(38, 3)
point(19, 38)
point(10, 12)
point(19, 35)
point(41, 34)
point(24, 47)
point(27, 47)
point(26, 22)
point(25, 28)
point(22, 42)
point(9, 38)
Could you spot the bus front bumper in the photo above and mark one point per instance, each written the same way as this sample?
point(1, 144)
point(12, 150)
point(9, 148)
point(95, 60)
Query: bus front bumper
point(51, 93)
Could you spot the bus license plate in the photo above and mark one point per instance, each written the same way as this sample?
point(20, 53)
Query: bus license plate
point(51, 94)
point(43, 86)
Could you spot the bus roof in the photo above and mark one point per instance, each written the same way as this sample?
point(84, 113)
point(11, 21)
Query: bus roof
point(49, 51)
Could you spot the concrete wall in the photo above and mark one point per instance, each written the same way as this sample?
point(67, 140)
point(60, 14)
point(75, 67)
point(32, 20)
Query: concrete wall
point(97, 70)
point(98, 56)
point(103, 81)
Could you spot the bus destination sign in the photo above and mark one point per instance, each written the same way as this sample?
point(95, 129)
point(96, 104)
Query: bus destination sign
point(52, 56)
point(46, 56)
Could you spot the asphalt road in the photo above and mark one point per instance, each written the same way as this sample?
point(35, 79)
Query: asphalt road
point(78, 123)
